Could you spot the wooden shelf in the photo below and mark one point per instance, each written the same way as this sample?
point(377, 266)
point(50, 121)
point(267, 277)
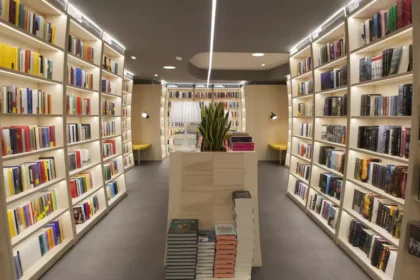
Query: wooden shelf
point(333, 63)
point(382, 117)
point(82, 229)
point(110, 136)
point(386, 80)
point(85, 195)
point(82, 142)
point(13, 74)
point(303, 96)
point(331, 143)
point(332, 199)
point(303, 137)
point(40, 151)
point(7, 115)
point(111, 157)
point(300, 178)
point(30, 192)
point(111, 75)
point(378, 191)
point(305, 75)
point(77, 61)
point(83, 168)
point(334, 90)
point(380, 155)
point(302, 158)
point(328, 169)
point(81, 89)
point(111, 95)
point(114, 177)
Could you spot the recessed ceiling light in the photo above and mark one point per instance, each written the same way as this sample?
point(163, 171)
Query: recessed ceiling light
point(257, 54)
point(169, 67)
point(133, 57)
point(263, 65)
point(156, 75)
point(178, 58)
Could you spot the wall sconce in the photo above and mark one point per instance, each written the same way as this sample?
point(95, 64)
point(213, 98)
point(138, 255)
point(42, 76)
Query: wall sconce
point(145, 115)
point(273, 116)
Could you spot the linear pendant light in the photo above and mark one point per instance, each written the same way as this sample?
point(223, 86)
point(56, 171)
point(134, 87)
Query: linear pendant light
point(213, 23)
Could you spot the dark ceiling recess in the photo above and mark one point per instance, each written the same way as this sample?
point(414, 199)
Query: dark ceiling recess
point(158, 31)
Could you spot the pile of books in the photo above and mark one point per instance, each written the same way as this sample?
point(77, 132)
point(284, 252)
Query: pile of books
point(241, 143)
point(225, 251)
point(206, 253)
point(181, 256)
point(244, 222)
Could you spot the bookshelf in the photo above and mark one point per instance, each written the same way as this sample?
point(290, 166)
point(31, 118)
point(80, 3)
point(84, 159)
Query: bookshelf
point(126, 120)
point(58, 108)
point(338, 212)
point(290, 120)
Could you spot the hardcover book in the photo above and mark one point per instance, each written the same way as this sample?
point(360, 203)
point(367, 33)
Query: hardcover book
point(187, 227)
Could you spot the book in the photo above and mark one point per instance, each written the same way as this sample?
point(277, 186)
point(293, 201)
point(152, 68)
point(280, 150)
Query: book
point(304, 66)
point(185, 228)
point(80, 48)
point(335, 106)
point(79, 77)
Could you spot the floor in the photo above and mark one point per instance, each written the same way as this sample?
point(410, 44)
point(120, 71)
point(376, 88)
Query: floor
point(129, 243)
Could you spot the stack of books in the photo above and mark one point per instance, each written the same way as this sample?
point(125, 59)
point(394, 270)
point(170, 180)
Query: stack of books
point(244, 221)
point(206, 252)
point(241, 143)
point(181, 258)
point(226, 242)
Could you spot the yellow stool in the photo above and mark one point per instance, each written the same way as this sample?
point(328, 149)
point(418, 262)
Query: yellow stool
point(138, 148)
point(280, 148)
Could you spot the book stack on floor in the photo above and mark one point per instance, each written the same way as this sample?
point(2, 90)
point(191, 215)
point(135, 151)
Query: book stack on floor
point(241, 143)
point(206, 252)
point(244, 221)
point(181, 257)
point(226, 242)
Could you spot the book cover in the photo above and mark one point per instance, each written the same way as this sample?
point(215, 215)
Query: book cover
point(225, 231)
point(183, 227)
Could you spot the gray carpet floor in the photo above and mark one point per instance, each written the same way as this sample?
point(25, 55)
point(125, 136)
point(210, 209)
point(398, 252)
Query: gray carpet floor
point(129, 242)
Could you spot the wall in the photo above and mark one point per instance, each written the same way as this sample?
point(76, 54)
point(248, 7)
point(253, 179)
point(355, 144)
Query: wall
point(147, 98)
point(260, 101)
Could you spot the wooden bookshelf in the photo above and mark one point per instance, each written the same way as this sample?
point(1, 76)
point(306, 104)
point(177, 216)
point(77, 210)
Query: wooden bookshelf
point(347, 26)
point(128, 158)
point(67, 21)
point(290, 120)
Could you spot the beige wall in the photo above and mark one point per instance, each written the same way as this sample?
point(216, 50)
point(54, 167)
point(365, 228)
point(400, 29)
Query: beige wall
point(261, 100)
point(147, 131)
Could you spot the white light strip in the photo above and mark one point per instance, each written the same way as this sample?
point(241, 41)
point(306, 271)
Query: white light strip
point(85, 17)
point(59, 11)
point(341, 10)
point(213, 23)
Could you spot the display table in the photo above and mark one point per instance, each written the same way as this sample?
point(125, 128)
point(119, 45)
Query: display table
point(280, 148)
point(201, 186)
point(138, 148)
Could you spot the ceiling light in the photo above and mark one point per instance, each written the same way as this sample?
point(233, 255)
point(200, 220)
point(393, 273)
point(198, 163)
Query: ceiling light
point(169, 67)
point(263, 65)
point(213, 23)
point(145, 115)
point(156, 75)
point(273, 116)
point(133, 57)
point(257, 54)
point(178, 58)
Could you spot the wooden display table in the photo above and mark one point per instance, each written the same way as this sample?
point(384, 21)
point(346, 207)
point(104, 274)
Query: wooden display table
point(138, 148)
point(280, 148)
point(201, 186)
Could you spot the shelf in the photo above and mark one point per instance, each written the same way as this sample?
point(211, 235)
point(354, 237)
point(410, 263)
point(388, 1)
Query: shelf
point(126, 92)
point(328, 169)
point(111, 157)
point(331, 117)
point(111, 95)
point(302, 158)
point(81, 116)
point(380, 155)
point(111, 116)
point(14, 156)
point(81, 89)
point(110, 74)
point(333, 63)
point(108, 50)
point(331, 143)
point(382, 117)
point(7, 115)
point(114, 177)
point(113, 201)
point(127, 154)
point(110, 136)
point(128, 167)
point(296, 199)
point(334, 90)
point(381, 231)
point(300, 178)
point(322, 222)
point(29, 192)
point(378, 191)
point(82, 142)
point(386, 80)
point(303, 76)
point(81, 32)
point(14, 74)
point(83, 168)
point(303, 117)
point(81, 229)
point(12, 31)
point(387, 41)
point(80, 62)
point(303, 137)
point(85, 195)
point(303, 96)
point(38, 225)
point(326, 196)
point(127, 105)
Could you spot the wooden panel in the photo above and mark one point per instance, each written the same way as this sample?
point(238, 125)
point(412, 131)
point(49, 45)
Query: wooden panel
point(228, 160)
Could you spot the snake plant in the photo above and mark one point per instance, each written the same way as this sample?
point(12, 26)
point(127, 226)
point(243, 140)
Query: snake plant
point(214, 126)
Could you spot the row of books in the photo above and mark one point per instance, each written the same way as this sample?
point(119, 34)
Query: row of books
point(108, 128)
point(109, 87)
point(108, 108)
point(385, 139)
point(33, 210)
point(108, 148)
point(331, 184)
point(22, 16)
point(76, 105)
point(203, 94)
point(128, 161)
point(14, 100)
point(227, 94)
point(126, 135)
point(81, 183)
point(304, 150)
point(305, 109)
point(332, 51)
point(28, 175)
point(81, 49)
point(304, 66)
point(126, 86)
point(390, 178)
point(125, 112)
point(306, 129)
point(380, 252)
point(25, 61)
point(112, 189)
point(232, 114)
point(386, 21)
point(77, 158)
point(305, 88)
point(324, 208)
point(301, 190)
point(22, 139)
point(84, 211)
point(334, 79)
point(126, 99)
point(125, 124)
point(110, 65)
point(332, 158)
point(231, 104)
point(50, 236)
point(180, 94)
point(303, 170)
point(126, 148)
point(79, 77)
point(334, 133)
point(78, 132)
point(110, 169)
point(390, 62)
point(335, 105)
point(379, 211)
point(396, 105)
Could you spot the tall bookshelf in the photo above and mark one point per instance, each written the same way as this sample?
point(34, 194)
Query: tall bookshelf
point(127, 143)
point(67, 21)
point(289, 123)
point(345, 25)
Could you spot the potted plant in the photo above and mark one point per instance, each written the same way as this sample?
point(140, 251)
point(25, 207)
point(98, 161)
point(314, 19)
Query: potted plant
point(214, 126)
